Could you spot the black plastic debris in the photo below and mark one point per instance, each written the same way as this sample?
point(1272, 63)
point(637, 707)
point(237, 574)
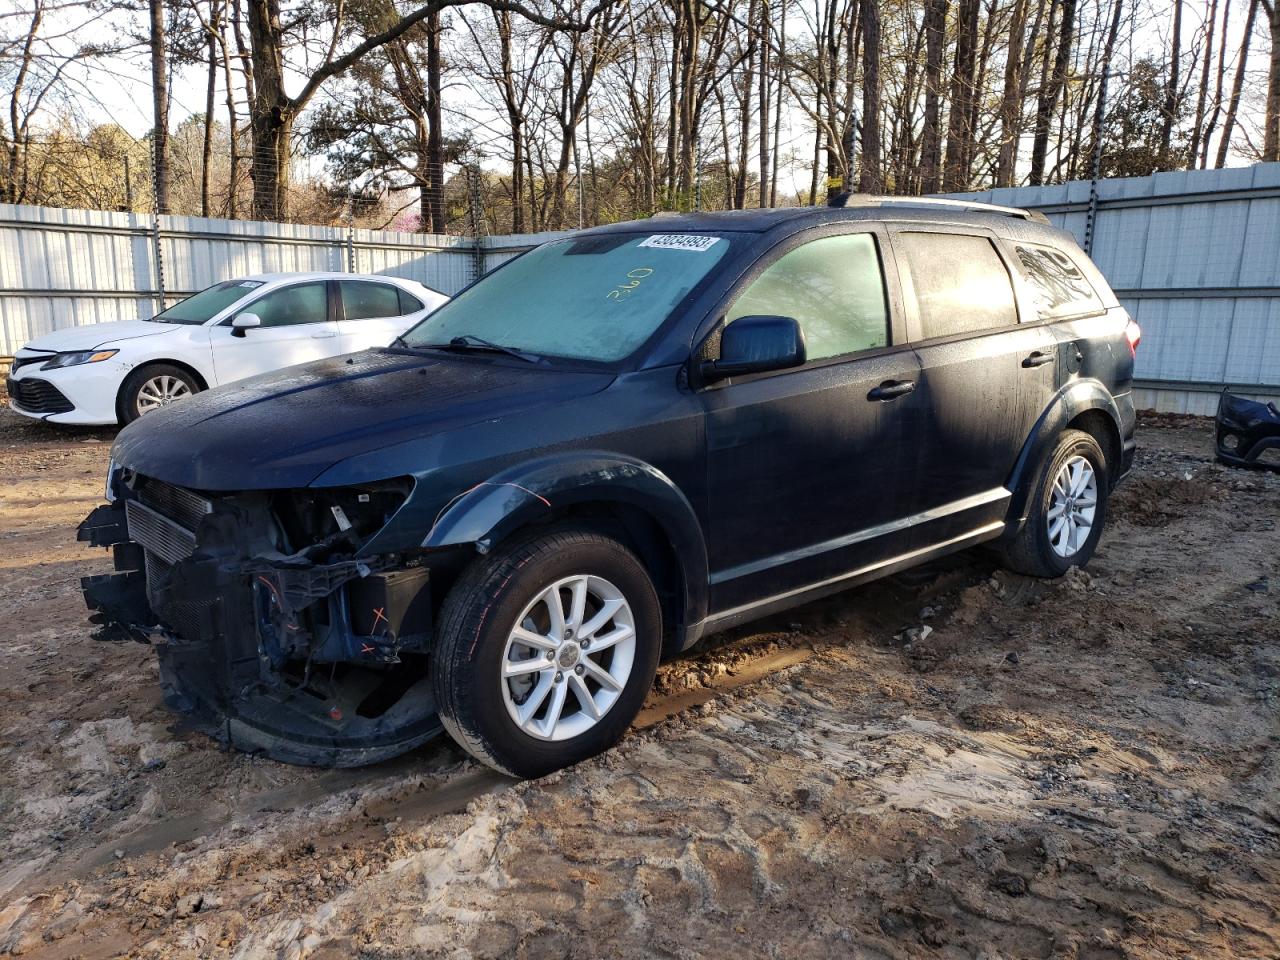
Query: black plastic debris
point(1248, 432)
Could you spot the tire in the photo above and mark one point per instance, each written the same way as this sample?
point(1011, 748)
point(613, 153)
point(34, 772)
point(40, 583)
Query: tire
point(162, 381)
point(1036, 551)
point(477, 642)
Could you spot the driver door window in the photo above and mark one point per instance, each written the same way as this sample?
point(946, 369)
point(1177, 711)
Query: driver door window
point(295, 329)
point(833, 287)
point(300, 303)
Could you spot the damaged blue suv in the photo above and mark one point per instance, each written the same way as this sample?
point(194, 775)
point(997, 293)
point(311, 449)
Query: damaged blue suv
point(606, 449)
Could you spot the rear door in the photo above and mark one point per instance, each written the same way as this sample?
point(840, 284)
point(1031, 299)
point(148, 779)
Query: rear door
point(963, 319)
point(806, 465)
point(297, 326)
point(372, 313)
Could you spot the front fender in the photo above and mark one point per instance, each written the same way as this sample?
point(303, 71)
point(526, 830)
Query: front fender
point(1073, 399)
point(489, 511)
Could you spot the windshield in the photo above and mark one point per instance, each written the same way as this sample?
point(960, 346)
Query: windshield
point(590, 298)
point(205, 305)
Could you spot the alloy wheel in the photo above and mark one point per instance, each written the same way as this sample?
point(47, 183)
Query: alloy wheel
point(568, 657)
point(160, 391)
point(1073, 502)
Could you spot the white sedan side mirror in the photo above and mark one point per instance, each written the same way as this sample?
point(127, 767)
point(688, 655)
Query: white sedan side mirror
point(243, 323)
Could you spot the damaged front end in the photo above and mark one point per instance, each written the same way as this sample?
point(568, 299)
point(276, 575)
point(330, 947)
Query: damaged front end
point(274, 634)
point(1248, 432)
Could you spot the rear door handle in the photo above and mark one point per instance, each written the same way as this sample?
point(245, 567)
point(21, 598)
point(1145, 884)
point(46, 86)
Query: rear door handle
point(891, 389)
point(1038, 359)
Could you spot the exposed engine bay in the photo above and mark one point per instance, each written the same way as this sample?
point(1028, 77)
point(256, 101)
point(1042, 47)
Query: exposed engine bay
point(274, 634)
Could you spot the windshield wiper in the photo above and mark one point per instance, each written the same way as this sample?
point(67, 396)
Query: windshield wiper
point(469, 341)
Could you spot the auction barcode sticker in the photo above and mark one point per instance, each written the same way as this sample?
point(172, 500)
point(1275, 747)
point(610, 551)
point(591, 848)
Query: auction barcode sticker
point(680, 241)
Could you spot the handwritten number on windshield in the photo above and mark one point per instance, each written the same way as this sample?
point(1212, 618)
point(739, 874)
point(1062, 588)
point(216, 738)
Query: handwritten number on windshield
point(624, 290)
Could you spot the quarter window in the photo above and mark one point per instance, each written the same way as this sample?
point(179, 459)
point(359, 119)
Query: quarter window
point(960, 283)
point(300, 303)
point(409, 304)
point(834, 288)
point(1058, 286)
point(364, 300)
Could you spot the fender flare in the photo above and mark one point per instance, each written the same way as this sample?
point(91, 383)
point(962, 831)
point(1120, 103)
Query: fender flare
point(1068, 403)
point(493, 509)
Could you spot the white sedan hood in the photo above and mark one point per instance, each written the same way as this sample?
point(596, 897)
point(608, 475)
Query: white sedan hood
point(96, 334)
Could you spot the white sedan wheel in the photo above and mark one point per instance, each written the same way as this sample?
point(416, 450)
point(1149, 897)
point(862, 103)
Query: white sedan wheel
point(160, 391)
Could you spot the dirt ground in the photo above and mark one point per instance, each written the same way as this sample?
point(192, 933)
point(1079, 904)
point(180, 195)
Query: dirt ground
point(961, 763)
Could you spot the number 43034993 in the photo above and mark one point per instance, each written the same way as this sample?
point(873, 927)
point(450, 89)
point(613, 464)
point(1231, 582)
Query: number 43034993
point(625, 289)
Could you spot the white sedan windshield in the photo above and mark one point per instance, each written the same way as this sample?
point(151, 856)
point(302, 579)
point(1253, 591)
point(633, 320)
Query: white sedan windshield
point(591, 298)
point(201, 307)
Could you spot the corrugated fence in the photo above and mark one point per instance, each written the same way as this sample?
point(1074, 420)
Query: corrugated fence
point(1194, 256)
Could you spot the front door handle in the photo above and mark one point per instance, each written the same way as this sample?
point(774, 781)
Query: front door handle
point(323, 334)
point(891, 389)
point(1038, 359)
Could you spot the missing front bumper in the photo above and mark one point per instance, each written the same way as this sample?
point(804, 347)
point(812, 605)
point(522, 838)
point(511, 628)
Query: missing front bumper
point(321, 664)
point(1247, 432)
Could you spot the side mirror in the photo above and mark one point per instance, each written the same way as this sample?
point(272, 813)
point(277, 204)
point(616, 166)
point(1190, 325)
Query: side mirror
point(243, 323)
point(756, 344)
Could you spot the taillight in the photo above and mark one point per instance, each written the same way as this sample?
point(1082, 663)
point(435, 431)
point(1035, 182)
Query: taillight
point(1133, 333)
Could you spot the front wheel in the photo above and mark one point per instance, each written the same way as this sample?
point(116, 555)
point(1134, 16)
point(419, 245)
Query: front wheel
point(154, 386)
point(546, 651)
point(1067, 511)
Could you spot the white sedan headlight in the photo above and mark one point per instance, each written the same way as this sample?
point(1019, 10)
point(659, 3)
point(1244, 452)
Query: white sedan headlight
point(76, 358)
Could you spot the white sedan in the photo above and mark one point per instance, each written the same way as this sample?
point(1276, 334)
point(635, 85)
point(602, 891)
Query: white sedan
point(106, 373)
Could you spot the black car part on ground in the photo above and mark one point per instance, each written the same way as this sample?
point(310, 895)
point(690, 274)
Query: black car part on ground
point(1248, 432)
point(307, 654)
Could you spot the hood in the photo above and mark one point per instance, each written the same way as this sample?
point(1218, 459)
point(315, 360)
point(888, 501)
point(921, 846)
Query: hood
point(283, 429)
point(97, 334)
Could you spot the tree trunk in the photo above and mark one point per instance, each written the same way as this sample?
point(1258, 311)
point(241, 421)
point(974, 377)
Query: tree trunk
point(435, 134)
point(160, 103)
point(1271, 122)
point(1211, 123)
point(15, 186)
point(777, 110)
point(870, 174)
point(1237, 86)
point(1171, 93)
point(206, 156)
point(959, 132)
point(1049, 92)
point(1010, 100)
point(270, 113)
point(739, 198)
point(935, 19)
point(1202, 98)
point(233, 126)
point(765, 96)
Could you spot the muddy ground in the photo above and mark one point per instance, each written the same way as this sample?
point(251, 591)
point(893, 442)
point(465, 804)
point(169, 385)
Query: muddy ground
point(1087, 768)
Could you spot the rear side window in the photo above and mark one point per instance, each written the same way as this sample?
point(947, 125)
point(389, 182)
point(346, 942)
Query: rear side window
point(833, 287)
point(1056, 283)
point(409, 304)
point(300, 303)
point(364, 300)
point(961, 284)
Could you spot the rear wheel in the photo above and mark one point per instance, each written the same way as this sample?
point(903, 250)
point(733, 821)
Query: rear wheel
point(1067, 511)
point(545, 653)
point(154, 386)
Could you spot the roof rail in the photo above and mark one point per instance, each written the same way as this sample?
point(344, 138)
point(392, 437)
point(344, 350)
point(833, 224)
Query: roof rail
point(848, 199)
